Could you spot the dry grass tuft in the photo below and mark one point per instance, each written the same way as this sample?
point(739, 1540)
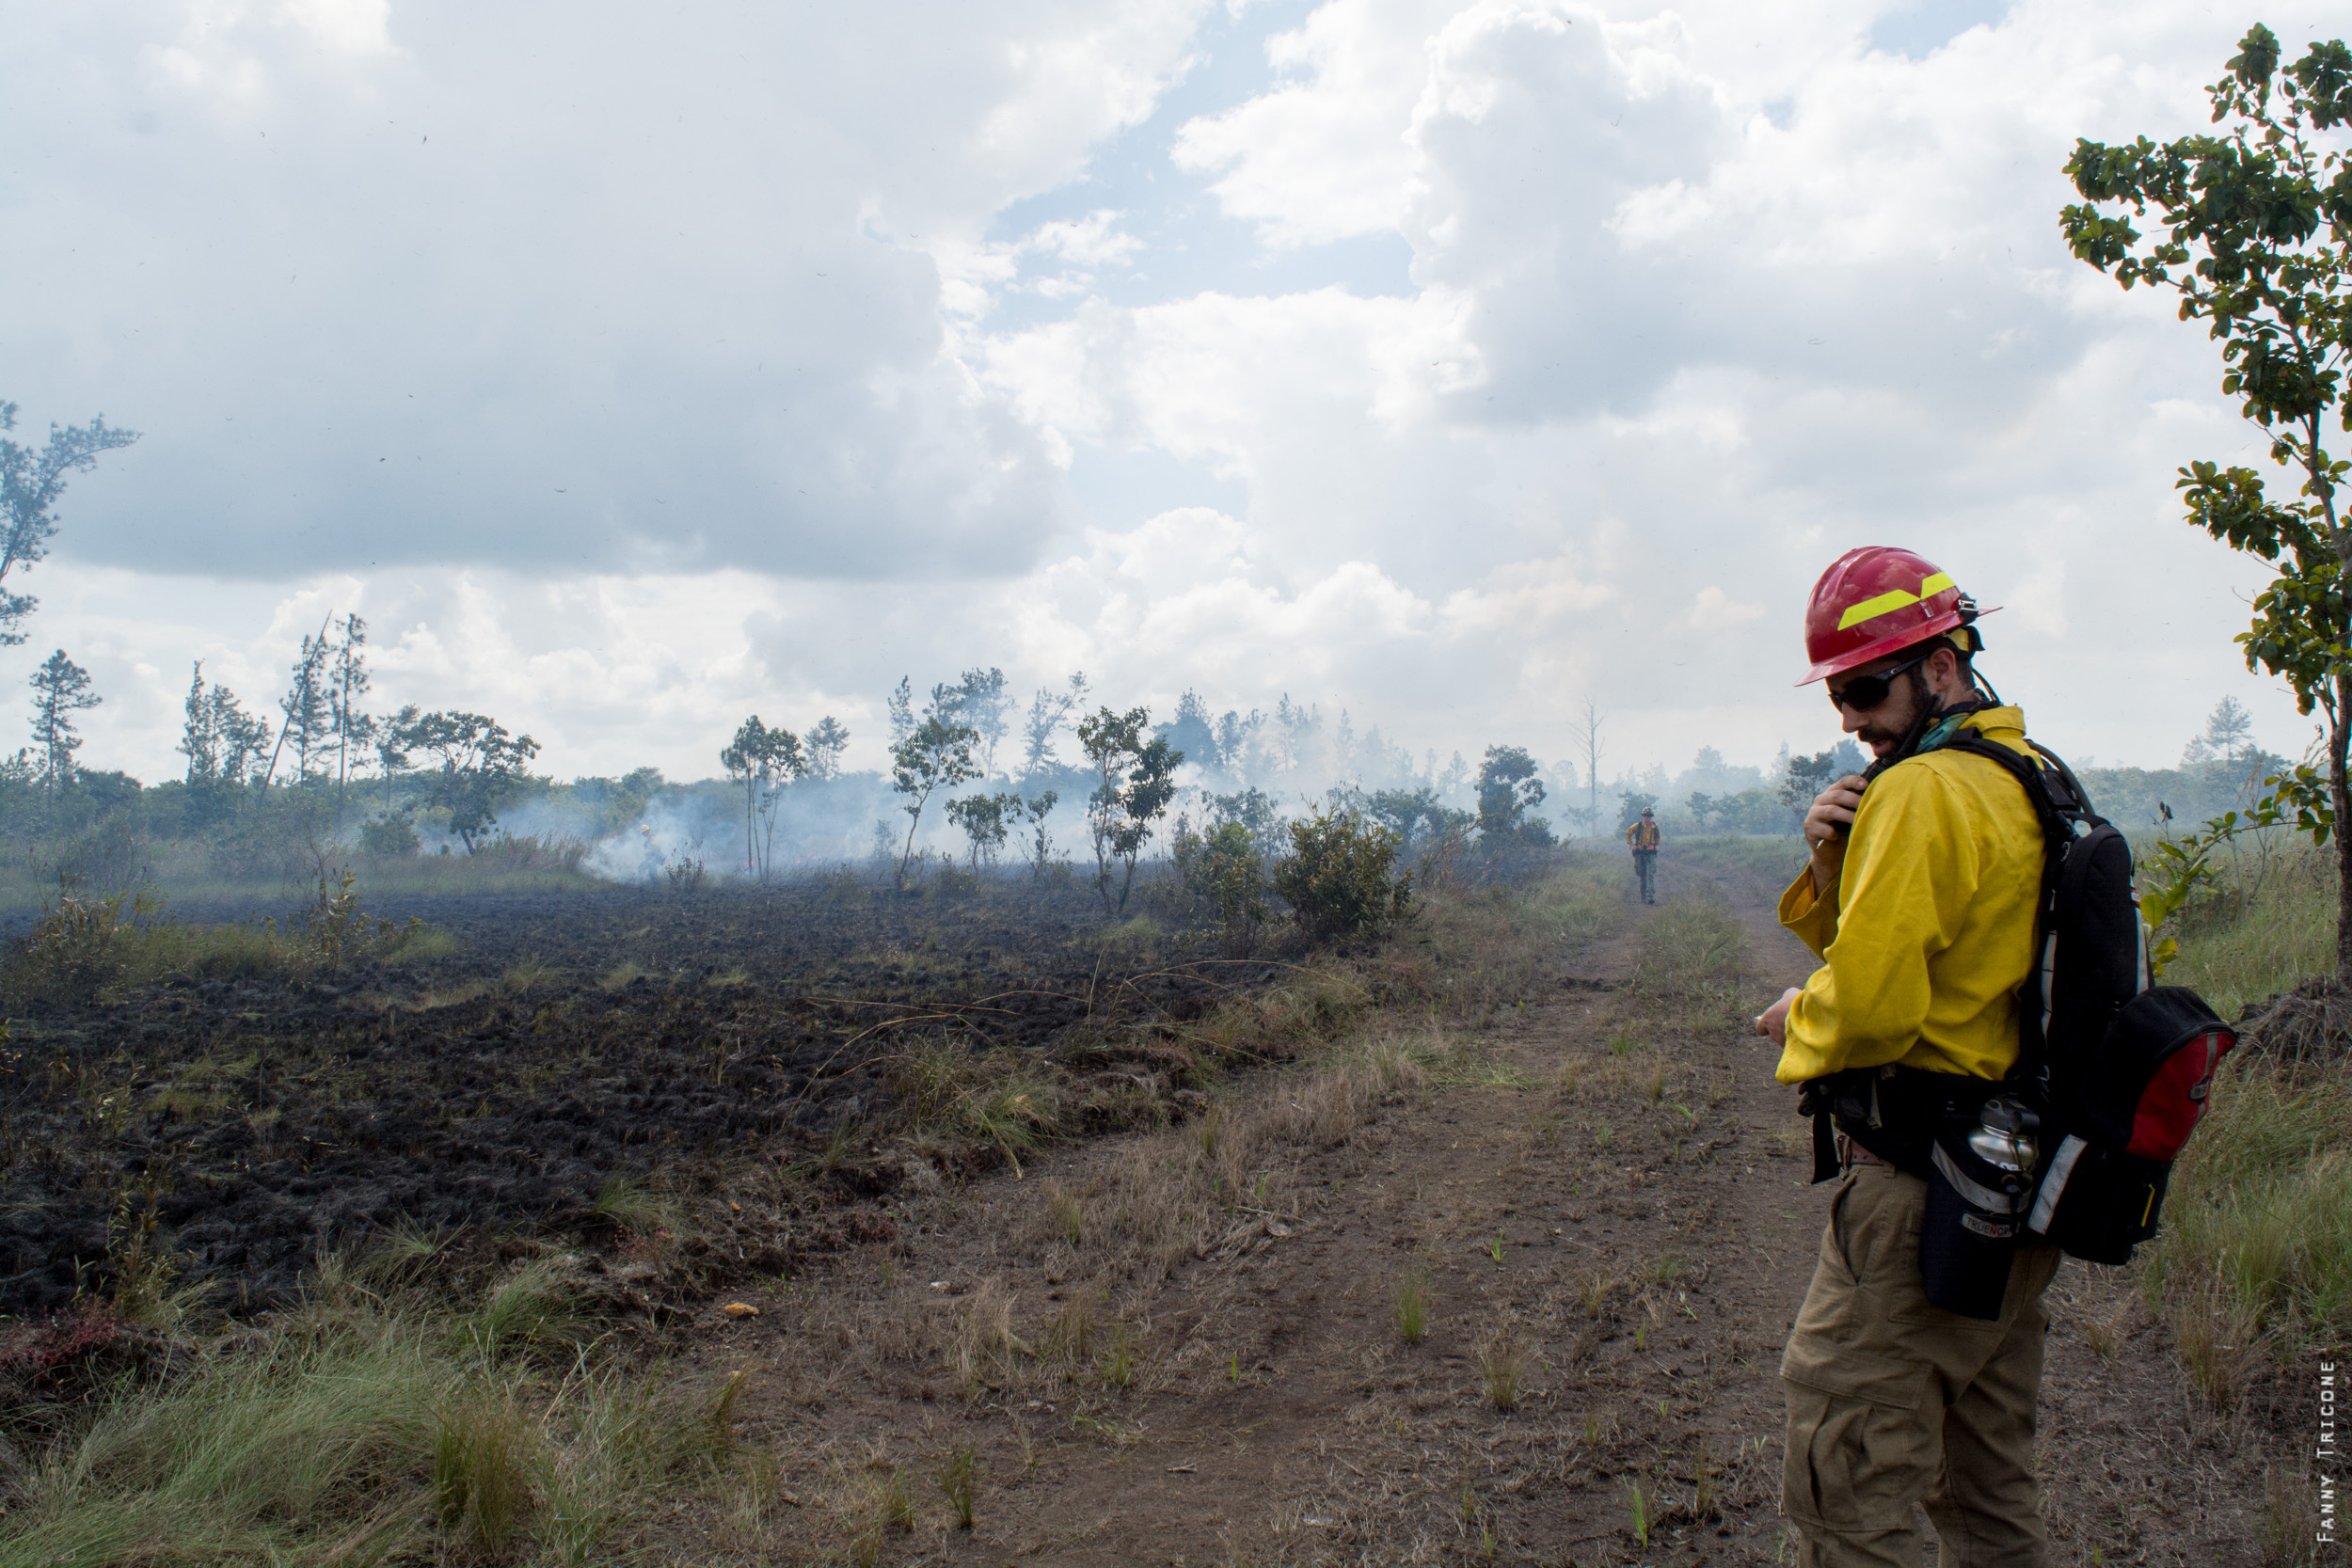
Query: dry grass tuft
point(985, 1347)
point(1413, 1305)
point(1503, 1367)
point(1118, 1357)
point(1070, 1337)
point(883, 1508)
point(956, 1483)
point(1069, 1210)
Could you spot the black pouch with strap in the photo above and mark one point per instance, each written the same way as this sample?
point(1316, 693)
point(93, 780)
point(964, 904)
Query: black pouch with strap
point(1920, 1122)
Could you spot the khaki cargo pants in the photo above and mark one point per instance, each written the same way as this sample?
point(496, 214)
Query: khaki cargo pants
point(1893, 1401)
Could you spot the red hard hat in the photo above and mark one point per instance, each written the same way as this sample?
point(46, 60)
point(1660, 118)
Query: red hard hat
point(1875, 601)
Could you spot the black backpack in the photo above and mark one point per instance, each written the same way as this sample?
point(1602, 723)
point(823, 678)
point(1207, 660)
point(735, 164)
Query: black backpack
point(2120, 1068)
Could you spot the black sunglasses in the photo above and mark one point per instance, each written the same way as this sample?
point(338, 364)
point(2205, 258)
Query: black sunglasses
point(1865, 693)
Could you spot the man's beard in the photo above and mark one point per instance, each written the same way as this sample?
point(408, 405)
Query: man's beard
point(1891, 732)
point(1875, 735)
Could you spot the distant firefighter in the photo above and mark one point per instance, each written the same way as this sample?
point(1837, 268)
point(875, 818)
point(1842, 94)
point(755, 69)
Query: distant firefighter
point(1642, 838)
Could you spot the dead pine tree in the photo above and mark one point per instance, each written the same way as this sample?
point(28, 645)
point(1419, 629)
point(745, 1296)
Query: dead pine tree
point(1590, 745)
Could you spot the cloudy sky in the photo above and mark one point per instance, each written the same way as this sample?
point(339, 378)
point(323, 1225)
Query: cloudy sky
point(631, 369)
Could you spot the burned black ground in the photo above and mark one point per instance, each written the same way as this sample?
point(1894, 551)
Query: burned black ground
point(240, 1128)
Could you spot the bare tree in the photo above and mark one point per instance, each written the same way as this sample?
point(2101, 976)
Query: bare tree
point(349, 726)
point(61, 691)
point(30, 483)
point(1592, 748)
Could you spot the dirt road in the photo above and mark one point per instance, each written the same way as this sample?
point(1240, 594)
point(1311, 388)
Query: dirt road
point(1604, 1200)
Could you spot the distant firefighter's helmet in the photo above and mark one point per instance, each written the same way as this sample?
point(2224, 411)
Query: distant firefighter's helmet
point(1876, 600)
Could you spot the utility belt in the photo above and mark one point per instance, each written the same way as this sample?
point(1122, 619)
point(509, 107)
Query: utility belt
point(1972, 1140)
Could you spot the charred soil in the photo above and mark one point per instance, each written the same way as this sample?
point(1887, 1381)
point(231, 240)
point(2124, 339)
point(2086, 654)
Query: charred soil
point(244, 1127)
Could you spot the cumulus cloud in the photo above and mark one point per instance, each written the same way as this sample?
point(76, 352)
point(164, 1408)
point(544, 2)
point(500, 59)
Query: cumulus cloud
point(550, 287)
point(633, 370)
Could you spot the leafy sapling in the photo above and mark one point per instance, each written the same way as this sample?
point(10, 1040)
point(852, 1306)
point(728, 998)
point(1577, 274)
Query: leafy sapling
point(1037, 844)
point(985, 820)
point(763, 761)
point(1139, 780)
point(935, 755)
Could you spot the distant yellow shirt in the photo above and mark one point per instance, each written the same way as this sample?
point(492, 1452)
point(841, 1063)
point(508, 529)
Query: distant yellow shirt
point(1925, 933)
point(1642, 836)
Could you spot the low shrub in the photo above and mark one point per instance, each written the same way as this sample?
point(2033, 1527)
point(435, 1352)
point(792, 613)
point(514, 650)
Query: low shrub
point(389, 838)
point(1224, 867)
point(1340, 877)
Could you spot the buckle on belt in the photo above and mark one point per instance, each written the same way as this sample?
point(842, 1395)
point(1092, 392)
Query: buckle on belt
point(1851, 1153)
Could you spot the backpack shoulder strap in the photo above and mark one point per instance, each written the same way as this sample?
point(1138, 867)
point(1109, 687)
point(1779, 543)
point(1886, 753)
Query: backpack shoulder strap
point(2046, 809)
point(2058, 833)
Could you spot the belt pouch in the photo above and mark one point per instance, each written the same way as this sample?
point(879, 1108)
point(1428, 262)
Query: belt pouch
point(1968, 1235)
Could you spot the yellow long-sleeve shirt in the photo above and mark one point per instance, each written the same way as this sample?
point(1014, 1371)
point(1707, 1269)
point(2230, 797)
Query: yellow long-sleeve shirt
point(1926, 932)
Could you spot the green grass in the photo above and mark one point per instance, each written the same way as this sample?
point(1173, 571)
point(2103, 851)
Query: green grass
point(1687, 962)
point(1413, 1305)
point(373, 1421)
point(1776, 856)
point(1494, 946)
point(2256, 1251)
point(101, 947)
point(2270, 923)
point(189, 882)
point(2257, 1220)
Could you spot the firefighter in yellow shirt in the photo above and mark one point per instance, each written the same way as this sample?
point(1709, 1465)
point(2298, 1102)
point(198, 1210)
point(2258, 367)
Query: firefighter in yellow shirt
point(1920, 897)
point(1642, 838)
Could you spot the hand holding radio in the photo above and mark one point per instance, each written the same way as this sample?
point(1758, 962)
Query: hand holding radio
point(1833, 810)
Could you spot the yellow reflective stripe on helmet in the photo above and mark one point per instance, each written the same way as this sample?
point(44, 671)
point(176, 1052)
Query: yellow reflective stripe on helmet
point(1935, 584)
point(1894, 598)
